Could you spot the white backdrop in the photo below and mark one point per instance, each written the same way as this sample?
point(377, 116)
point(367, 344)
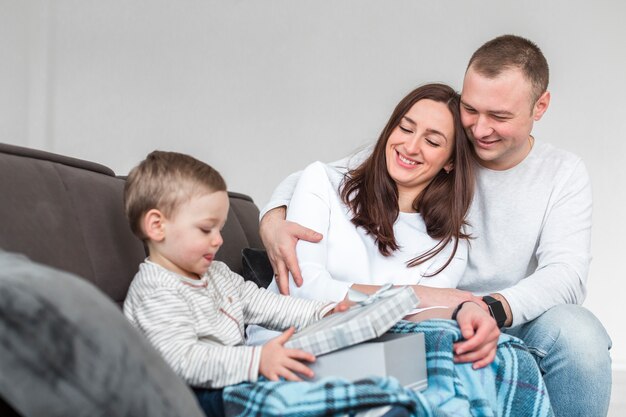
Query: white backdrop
point(261, 88)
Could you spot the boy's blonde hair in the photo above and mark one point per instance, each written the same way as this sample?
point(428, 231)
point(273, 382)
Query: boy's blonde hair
point(163, 181)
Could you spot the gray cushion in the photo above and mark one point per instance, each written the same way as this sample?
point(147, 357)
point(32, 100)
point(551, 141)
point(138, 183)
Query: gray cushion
point(67, 350)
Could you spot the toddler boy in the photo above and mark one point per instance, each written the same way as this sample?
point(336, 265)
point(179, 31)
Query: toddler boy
point(191, 307)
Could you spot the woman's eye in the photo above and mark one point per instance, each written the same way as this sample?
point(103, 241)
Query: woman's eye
point(432, 143)
point(405, 130)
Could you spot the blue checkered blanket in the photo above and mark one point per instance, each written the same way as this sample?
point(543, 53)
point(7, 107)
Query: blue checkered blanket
point(511, 386)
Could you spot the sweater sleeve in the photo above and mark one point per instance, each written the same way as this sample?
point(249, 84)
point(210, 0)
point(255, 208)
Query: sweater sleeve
point(310, 207)
point(275, 311)
point(165, 319)
point(563, 253)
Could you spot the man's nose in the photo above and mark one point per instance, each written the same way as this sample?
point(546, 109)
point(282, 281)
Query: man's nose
point(481, 128)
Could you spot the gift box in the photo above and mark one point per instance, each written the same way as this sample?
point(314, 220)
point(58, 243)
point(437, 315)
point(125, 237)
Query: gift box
point(370, 318)
point(402, 356)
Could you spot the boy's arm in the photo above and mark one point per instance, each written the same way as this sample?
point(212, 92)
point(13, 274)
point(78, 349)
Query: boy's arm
point(280, 236)
point(167, 322)
point(279, 312)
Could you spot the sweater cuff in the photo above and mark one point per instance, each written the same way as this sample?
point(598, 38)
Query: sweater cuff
point(255, 363)
point(325, 309)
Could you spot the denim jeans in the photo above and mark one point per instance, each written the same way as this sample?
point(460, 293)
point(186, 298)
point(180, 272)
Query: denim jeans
point(571, 348)
point(210, 401)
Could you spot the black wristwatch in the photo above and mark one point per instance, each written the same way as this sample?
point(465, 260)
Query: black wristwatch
point(496, 310)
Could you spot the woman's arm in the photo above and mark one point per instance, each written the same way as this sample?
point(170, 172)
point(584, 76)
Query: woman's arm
point(280, 236)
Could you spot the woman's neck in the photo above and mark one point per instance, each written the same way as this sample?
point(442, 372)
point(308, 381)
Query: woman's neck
point(406, 199)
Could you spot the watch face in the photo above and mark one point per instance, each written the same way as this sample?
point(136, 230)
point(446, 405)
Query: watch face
point(496, 310)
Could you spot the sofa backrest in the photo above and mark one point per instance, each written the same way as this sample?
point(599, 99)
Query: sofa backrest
point(68, 213)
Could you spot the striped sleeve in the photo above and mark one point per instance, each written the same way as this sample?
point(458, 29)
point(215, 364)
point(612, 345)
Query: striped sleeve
point(279, 312)
point(165, 319)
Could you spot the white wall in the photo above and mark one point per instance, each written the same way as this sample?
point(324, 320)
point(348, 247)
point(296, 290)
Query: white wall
point(261, 88)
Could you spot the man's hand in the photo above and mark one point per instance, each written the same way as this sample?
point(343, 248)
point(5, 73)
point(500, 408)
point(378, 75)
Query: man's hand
point(279, 238)
point(278, 361)
point(449, 297)
point(480, 332)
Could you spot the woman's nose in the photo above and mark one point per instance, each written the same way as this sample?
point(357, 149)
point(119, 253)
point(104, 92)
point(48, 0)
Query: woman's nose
point(412, 146)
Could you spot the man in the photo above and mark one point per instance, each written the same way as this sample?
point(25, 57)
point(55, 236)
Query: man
point(531, 223)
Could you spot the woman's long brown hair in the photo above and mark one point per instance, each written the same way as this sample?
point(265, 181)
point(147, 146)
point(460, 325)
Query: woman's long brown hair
point(372, 195)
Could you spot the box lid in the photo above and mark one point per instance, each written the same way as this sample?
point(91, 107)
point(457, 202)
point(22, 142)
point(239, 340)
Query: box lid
point(370, 318)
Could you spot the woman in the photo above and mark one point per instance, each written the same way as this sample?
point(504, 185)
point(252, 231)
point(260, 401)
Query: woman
point(398, 217)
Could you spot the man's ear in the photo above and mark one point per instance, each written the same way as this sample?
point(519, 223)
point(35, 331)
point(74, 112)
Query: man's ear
point(154, 225)
point(541, 105)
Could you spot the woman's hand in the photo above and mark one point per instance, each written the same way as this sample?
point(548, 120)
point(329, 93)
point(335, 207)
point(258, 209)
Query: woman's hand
point(280, 238)
point(278, 361)
point(480, 332)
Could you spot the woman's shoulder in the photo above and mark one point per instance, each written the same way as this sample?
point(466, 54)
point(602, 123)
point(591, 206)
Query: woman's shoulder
point(322, 174)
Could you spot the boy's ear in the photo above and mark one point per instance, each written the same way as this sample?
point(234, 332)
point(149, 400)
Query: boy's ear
point(154, 225)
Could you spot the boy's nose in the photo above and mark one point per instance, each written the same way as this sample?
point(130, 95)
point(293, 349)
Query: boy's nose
point(218, 240)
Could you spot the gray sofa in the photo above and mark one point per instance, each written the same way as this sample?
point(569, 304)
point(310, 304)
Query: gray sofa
point(67, 214)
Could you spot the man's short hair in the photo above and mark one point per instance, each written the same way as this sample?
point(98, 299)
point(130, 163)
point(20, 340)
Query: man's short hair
point(510, 51)
point(163, 181)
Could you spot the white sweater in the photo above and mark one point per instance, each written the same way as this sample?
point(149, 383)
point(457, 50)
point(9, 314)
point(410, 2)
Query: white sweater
point(198, 325)
point(347, 255)
point(531, 226)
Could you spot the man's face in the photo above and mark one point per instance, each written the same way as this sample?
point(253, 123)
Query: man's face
point(498, 116)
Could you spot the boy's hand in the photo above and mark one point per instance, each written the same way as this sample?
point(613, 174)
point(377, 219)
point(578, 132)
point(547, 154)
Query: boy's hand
point(278, 361)
point(480, 332)
point(342, 306)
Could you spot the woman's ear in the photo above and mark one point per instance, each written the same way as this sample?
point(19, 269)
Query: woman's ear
point(154, 225)
point(448, 167)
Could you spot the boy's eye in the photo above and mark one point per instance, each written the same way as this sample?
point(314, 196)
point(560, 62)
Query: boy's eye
point(205, 230)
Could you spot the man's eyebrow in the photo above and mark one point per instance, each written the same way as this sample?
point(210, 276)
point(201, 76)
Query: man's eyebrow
point(505, 113)
point(501, 113)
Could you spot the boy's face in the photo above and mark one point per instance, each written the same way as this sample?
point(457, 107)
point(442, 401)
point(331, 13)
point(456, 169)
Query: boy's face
point(192, 236)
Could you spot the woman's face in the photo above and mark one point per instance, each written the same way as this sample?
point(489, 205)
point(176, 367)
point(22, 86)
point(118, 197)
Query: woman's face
point(420, 146)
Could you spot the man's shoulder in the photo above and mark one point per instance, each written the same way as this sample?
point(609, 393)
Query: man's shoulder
point(547, 151)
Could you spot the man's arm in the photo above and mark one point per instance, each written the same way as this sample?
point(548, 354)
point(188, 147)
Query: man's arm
point(563, 254)
point(280, 236)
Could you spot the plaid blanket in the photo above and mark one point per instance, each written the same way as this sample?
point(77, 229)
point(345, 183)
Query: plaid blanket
point(511, 386)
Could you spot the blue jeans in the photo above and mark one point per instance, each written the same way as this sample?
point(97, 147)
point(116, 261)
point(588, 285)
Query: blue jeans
point(571, 348)
point(210, 401)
